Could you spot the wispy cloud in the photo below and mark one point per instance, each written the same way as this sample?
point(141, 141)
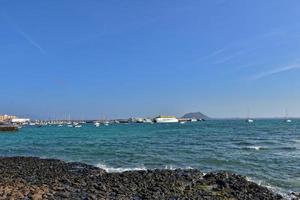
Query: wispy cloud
point(210, 55)
point(229, 57)
point(276, 71)
point(250, 45)
point(27, 37)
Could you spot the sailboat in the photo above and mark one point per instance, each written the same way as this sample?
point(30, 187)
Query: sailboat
point(97, 124)
point(286, 117)
point(249, 120)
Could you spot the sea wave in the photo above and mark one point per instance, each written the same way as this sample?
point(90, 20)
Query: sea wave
point(255, 147)
point(120, 169)
point(296, 141)
point(274, 189)
point(287, 148)
point(172, 167)
point(140, 168)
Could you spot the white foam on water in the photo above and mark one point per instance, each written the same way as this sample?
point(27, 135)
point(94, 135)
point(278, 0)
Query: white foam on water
point(141, 168)
point(274, 189)
point(171, 167)
point(120, 169)
point(255, 147)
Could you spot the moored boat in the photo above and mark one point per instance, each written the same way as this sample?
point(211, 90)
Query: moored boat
point(249, 120)
point(166, 119)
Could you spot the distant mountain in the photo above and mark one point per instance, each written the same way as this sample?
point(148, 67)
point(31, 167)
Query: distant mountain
point(195, 115)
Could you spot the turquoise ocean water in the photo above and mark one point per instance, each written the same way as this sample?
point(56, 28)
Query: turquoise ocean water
point(266, 151)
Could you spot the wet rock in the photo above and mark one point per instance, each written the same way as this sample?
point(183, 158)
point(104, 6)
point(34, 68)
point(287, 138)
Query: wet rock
point(295, 195)
point(34, 178)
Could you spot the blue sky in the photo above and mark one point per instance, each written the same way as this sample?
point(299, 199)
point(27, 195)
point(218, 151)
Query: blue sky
point(111, 59)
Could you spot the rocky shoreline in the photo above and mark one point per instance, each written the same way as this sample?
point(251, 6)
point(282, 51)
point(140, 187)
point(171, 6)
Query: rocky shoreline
point(34, 178)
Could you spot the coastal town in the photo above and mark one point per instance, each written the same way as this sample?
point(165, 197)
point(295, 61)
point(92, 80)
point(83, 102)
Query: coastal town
point(14, 123)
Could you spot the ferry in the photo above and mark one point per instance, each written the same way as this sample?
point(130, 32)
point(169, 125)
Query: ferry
point(166, 119)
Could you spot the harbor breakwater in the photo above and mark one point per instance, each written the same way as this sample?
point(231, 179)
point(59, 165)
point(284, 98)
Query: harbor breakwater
point(5, 128)
point(35, 178)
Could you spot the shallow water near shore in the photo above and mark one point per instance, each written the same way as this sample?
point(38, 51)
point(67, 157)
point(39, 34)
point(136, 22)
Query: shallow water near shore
point(266, 151)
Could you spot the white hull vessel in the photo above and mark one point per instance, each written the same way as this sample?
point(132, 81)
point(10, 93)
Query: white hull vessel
point(147, 121)
point(166, 119)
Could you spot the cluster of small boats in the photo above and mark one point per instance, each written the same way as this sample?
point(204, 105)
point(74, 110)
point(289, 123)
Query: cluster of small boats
point(70, 124)
point(98, 123)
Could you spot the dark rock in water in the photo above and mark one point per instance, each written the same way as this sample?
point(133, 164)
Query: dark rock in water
point(7, 128)
point(34, 178)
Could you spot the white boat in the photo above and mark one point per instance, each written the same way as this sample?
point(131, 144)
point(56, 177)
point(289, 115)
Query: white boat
point(166, 119)
point(78, 126)
point(286, 116)
point(97, 124)
point(249, 120)
point(193, 120)
point(147, 120)
point(106, 123)
point(182, 122)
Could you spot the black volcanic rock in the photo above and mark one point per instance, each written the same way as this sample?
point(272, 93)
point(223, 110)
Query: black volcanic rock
point(195, 115)
point(34, 178)
point(7, 128)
